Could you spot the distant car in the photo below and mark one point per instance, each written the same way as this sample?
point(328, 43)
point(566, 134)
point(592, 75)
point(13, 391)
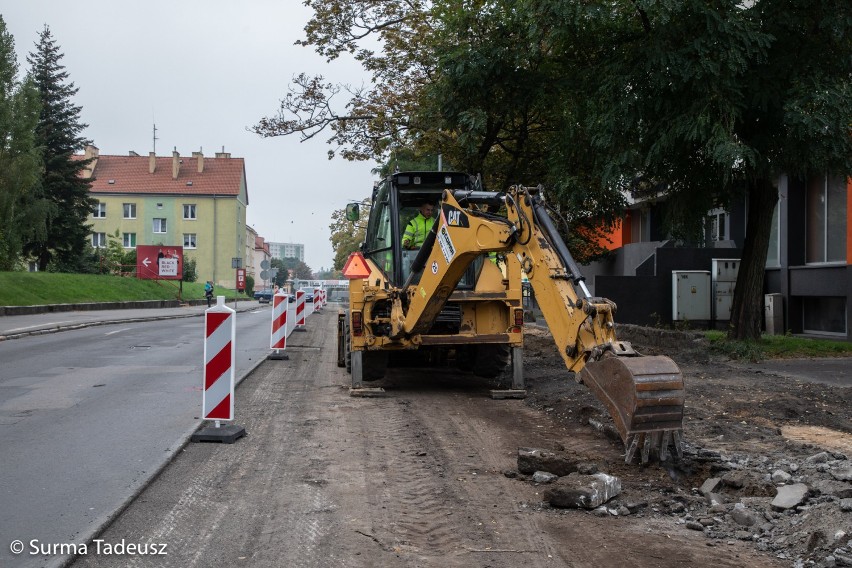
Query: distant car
point(263, 296)
point(309, 295)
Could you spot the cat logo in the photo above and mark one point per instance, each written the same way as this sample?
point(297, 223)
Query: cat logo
point(455, 217)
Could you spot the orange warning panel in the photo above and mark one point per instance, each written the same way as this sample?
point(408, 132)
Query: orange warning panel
point(356, 267)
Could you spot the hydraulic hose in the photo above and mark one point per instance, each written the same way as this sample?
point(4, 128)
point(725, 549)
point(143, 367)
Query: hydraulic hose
point(544, 221)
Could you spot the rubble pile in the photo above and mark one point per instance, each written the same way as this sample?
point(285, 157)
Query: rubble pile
point(799, 511)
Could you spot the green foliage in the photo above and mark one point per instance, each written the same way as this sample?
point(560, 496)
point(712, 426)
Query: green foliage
point(249, 285)
point(190, 270)
point(693, 101)
point(777, 347)
point(58, 135)
point(23, 209)
point(37, 288)
point(346, 236)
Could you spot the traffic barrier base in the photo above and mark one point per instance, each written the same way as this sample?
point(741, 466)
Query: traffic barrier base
point(227, 434)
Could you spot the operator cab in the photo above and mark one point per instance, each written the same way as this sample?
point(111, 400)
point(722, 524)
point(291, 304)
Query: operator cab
point(397, 200)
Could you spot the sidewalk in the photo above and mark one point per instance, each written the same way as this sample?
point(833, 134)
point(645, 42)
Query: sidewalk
point(51, 319)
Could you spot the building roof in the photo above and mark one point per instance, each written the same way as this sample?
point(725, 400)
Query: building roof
point(130, 175)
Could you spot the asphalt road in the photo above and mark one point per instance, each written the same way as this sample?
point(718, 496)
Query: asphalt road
point(89, 415)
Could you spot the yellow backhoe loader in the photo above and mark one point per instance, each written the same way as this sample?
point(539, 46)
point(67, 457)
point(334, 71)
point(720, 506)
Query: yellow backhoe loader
point(459, 299)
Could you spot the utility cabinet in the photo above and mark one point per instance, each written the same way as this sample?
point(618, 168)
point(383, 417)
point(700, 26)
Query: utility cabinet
point(773, 305)
point(690, 295)
point(724, 280)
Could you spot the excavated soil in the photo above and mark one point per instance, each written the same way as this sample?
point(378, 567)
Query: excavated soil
point(741, 425)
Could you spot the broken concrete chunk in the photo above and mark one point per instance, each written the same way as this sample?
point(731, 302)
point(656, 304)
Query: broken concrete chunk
point(531, 460)
point(821, 457)
point(839, 489)
point(709, 486)
point(781, 476)
point(583, 491)
point(790, 496)
point(842, 474)
point(743, 516)
point(715, 500)
point(544, 477)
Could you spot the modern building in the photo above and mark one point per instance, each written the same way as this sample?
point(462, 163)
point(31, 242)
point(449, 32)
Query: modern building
point(808, 265)
point(197, 202)
point(287, 250)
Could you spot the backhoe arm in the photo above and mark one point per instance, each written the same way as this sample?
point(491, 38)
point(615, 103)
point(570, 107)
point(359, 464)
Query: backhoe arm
point(644, 395)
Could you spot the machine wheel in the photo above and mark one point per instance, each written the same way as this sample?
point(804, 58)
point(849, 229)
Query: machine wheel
point(341, 342)
point(347, 345)
point(375, 365)
point(491, 359)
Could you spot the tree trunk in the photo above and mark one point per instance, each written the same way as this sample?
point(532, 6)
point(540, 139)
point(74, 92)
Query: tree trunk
point(747, 308)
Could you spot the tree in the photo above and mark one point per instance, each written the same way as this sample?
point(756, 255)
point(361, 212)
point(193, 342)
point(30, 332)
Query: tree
point(23, 209)
point(346, 236)
point(708, 100)
point(697, 101)
point(58, 135)
point(374, 119)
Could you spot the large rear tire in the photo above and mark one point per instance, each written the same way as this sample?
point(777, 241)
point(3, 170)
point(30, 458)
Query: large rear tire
point(491, 359)
point(375, 365)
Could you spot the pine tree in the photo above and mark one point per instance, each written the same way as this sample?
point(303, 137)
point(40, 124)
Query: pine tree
point(59, 135)
point(23, 211)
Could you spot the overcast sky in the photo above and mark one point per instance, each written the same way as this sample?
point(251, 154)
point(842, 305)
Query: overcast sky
point(203, 71)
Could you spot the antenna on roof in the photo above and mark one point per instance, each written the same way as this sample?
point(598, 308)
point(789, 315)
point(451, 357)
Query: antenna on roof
point(155, 138)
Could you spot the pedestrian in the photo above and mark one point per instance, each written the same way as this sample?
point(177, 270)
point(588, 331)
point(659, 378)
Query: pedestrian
point(417, 228)
point(208, 292)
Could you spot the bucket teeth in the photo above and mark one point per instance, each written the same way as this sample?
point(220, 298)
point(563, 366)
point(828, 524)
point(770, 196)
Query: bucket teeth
point(644, 396)
point(653, 444)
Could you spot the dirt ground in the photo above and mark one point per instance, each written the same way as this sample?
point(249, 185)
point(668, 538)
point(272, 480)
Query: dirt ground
point(428, 475)
point(742, 424)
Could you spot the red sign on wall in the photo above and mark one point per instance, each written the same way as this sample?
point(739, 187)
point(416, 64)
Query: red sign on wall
point(159, 262)
point(241, 279)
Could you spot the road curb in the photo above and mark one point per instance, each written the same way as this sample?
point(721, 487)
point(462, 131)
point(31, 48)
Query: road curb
point(82, 325)
point(182, 441)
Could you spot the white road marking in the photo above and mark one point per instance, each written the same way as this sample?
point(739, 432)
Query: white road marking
point(117, 331)
point(48, 324)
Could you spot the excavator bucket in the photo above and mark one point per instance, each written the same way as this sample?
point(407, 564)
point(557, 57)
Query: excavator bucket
point(644, 396)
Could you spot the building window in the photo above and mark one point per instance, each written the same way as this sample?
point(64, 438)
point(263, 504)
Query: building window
point(159, 205)
point(189, 241)
point(129, 240)
point(824, 315)
point(98, 240)
point(826, 220)
point(129, 210)
point(159, 225)
point(718, 225)
point(99, 210)
point(189, 211)
point(773, 253)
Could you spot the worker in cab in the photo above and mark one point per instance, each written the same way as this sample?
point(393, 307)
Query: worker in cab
point(417, 229)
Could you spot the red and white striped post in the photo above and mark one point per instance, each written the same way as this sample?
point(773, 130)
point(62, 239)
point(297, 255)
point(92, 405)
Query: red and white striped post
point(217, 402)
point(317, 299)
point(278, 338)
point(300, 311)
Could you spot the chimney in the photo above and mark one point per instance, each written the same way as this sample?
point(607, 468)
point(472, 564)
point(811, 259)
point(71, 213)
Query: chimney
point(152, 162)
point(223, 154)
point(175, 164)
point(200, 157)
point(90, 152)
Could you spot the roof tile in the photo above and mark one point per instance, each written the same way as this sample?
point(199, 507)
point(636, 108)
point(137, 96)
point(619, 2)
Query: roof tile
point(221, 176)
